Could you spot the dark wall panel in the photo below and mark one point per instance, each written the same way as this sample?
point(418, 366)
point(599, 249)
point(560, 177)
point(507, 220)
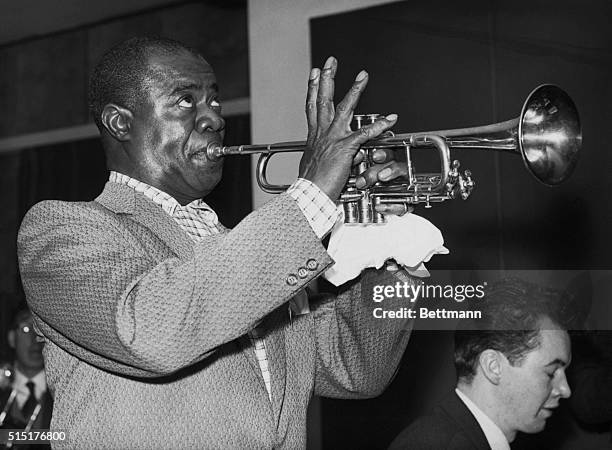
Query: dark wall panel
point(43, 81)
point(42, 84)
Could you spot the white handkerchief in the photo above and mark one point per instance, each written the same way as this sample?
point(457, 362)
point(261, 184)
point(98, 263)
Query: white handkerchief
point(410, 240)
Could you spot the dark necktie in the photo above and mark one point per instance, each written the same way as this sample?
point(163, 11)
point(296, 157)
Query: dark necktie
point(31, 402)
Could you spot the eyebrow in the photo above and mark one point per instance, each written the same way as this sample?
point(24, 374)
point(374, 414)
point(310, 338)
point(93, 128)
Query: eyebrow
point(192, 86)
point(558, 361)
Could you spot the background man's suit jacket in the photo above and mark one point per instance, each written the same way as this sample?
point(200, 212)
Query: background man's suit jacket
point(449, 426)
point(145, 329)
point(15, 418)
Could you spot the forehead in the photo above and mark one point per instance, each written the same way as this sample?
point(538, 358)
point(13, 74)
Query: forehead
point(180, 68)
point(23, 318)
point(554, 345)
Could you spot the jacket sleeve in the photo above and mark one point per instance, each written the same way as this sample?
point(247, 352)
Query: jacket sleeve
point(97, 292)
point(357, 354)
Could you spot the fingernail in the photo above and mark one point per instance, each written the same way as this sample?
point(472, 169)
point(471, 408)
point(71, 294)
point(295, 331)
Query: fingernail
point(314, 73)
point(378, 156)
point(329, 62)
point(361, 75)
point(391, 117)
point(360, 182)
point(384, 174)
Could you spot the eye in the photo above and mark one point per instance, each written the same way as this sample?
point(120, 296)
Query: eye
point(186, 102)
point(551, 375)
point(214, 103)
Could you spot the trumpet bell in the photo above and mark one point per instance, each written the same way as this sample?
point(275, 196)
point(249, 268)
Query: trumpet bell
point(550, 135)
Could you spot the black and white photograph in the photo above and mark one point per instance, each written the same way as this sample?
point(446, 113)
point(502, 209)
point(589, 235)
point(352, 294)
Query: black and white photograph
point(314, 224)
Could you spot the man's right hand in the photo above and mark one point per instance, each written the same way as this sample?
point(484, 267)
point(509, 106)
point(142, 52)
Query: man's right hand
point(331, 143)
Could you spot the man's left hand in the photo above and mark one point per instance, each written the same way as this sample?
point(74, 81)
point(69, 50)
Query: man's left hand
point(386, 169)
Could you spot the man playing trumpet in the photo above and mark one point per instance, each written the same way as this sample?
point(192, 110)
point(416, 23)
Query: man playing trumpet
point(164, 329)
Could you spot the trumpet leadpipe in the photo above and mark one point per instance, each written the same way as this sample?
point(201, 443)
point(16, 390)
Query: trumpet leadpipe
point(215, 151)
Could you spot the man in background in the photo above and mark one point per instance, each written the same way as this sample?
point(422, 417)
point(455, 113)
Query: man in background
point(24, 399)
point(511, 374)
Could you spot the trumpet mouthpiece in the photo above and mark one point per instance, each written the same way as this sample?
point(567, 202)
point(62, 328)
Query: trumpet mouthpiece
point(214, 151)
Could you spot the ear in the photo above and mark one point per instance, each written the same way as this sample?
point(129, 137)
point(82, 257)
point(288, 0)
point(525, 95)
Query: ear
point(117, 120)
point(491, 364)
point(11, 338)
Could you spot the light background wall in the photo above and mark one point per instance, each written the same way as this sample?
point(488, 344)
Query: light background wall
point(279, 58)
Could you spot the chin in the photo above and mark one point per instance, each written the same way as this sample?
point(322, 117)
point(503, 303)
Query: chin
point(536, 426)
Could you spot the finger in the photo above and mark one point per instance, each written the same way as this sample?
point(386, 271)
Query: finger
point(381, 172)
point(394, 209)
point(344, 110)
point(371, 131)
point(325, 95)
point(358, 158)
point(311, 103)
point(383, 155)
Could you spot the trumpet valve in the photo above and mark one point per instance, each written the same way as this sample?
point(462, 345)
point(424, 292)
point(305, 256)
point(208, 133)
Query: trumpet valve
point(358, 118)
point(376, 216)
point(453, 180)
point(454, 172)
point(467, 185)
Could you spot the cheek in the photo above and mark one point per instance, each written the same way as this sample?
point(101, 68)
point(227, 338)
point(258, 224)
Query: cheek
point(167, 142)
point(166, 131)
point(538, 394)
point(529, 393)
point(154, 138)
point(22, 346)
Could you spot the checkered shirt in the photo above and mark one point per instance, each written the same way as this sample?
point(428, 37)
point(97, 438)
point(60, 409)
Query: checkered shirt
point(199, 221)
point(319, 210)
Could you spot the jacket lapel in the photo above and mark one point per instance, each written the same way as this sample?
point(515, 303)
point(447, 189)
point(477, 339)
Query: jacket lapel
point(457, 409)
point(123, 200)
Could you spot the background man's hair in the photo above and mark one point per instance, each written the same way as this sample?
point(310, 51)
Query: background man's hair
point(121, 75)
point(511, 313)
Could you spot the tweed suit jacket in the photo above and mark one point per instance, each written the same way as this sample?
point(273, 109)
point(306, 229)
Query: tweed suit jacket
point(449, 426)
point(145, 329)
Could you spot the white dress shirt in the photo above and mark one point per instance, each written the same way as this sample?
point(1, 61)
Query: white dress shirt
point(20, 384)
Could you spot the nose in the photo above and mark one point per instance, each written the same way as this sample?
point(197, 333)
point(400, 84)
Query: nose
point(209, 120)
point(562, 388)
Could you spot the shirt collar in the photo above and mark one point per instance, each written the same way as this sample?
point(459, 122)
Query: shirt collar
point(40, 383)
point(166, 201)
point(495, 437)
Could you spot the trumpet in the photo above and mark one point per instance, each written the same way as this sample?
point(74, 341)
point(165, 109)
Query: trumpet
point(547, 134)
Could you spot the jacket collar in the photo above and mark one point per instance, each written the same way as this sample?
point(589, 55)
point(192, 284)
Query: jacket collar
point(123, 200)
point(119, 198)
point(453, 405)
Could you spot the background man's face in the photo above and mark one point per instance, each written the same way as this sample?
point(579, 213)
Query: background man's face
point(533, 388)
point(28, 352)
point(173, 127)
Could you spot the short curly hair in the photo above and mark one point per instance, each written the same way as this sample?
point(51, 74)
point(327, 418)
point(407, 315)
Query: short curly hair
point(512, 310)
point(121, 74)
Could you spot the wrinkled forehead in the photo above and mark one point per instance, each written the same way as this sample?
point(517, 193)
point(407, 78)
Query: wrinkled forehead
point(165, 70)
